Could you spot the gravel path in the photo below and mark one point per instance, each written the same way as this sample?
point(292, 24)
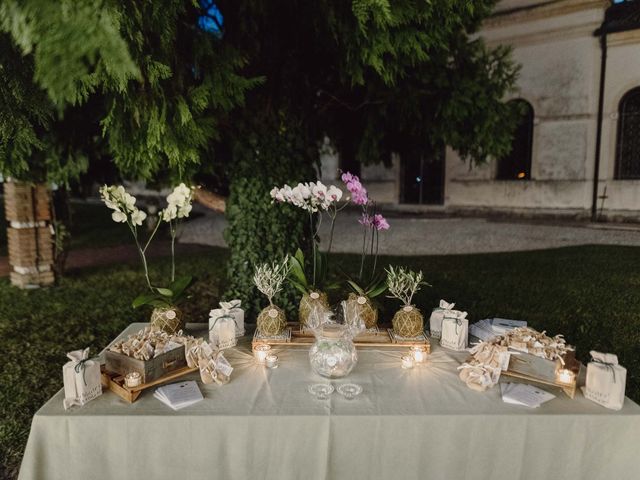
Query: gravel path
point(445, 236)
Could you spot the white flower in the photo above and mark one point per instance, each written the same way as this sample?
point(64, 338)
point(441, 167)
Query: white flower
point(138, 216)
point(170, 213)
point(184, 211)
point(304, 190)
point(119, 217)
point(334, 194)
point(319, 191)
point(129, 201)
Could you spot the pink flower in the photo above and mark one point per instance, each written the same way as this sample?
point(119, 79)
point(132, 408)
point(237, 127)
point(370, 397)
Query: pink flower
point(347, 177)
point(365, 220)
point(360, 197)
point(379, 222)
point(358, 192)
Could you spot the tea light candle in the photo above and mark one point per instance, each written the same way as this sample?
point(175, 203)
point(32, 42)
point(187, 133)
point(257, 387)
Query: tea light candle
point(419, 354)
point(407, 361)
point(271, 361)
point(565, 376)
point(260, 352)
point(132, 379)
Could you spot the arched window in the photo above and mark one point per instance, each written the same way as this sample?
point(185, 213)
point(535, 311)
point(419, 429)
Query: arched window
point(628, 147)
point(517, 164)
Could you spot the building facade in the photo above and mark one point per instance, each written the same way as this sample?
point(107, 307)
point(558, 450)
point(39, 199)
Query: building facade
point(576, 152)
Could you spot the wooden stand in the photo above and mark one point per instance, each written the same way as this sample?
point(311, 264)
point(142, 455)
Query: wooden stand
point(115, 383)
point(382, 339)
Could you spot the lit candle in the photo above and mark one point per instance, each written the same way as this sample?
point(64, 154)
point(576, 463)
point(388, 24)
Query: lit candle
point(260, 352)
point(419, 354)
point(407, 361)
point(132, 379)
point(271, 361)
point(565, 376)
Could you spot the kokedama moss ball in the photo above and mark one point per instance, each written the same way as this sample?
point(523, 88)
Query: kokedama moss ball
point(364, 308)
point(408, 322)
point(310, 301)
point(271, 321)
point(169, 319)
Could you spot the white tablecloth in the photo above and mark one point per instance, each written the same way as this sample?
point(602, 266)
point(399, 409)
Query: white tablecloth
point(420, 423)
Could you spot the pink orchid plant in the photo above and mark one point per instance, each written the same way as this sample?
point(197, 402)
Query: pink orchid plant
point(373, 223)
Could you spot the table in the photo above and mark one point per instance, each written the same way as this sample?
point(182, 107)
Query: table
point(420, 423)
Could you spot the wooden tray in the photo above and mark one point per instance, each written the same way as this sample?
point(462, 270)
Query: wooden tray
point(382, 338)
point(527, 368)
point(115, 383)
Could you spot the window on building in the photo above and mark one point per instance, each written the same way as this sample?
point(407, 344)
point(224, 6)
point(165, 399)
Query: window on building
point(517, 164)
point(628, 147)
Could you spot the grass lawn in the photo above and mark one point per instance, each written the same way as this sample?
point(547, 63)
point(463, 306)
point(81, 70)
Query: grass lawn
point(591, 294)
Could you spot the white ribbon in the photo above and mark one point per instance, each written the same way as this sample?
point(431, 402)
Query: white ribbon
point(446, 306)
point(228, 306)
point(78, 355)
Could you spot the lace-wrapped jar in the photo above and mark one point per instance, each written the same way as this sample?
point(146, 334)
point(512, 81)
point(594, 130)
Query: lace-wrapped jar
point(333, 355)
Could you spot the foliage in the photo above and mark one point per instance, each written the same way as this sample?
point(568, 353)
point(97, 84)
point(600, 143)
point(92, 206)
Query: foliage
point(403, 283)
point(163, 83)
point(269, 278)
point(588, 293)
point(275, 150)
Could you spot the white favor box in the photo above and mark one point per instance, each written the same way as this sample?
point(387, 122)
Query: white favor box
point(606, 380)
point(455, 332)
point(438, 314)
point(81, 378)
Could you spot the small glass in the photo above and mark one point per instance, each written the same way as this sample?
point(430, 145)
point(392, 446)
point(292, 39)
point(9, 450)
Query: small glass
point(407, 361)
point(271, 360)
point(349, 390)
point(260, 352)
point(565, 376)
point(132, 379)
point(419, 354)
point(321, 390)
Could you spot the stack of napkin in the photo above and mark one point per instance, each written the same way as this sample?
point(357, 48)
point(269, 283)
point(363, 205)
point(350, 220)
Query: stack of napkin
point(179, 395)
point(525, 395)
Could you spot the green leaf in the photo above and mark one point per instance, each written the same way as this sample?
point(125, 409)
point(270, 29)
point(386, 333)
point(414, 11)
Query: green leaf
point(144, 299)
point(355, 286)
point(299, 256)
point(180, 285)
point(165, 292)
point(297, 271)
point(301, 288)
point(377, 290)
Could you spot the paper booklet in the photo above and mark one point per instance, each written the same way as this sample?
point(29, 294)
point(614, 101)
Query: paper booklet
point(502, 325)
point(179, 395)
point(525, 395)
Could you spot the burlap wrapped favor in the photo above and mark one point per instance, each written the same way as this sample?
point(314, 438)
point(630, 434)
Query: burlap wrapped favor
point(81, 378)
point(169, 319)
point(606, 380)
point(408, 322)
point(308, 302)
point(364, 309)
point(233, 309)
point(271, 321)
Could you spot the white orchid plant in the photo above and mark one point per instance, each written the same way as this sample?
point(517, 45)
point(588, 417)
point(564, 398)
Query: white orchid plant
point(315, 198)
point(179, 205)
point(404, 284)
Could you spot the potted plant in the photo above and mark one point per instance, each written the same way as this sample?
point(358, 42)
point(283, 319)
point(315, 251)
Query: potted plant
point(367, 285)
point(403, 285)
point(165, 299)
point(310, 278)
point(268, 278)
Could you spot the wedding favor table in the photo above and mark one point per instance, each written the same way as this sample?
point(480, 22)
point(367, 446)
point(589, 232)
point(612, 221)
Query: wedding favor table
point(407, 424)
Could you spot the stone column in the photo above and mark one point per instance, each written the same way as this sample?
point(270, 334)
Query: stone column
point(30, 236)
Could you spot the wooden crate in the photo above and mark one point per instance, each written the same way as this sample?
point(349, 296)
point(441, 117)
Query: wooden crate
point(527, 368)
point(381, 339)
point(24, 202)
point(150, 370)
point(115, 383)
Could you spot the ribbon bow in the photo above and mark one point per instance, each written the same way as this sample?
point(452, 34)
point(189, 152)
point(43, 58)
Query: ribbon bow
point(446, 306)
point(228, 306)
point(610, 366)
point(607, 360)
point(220, 318)
point(80, 357)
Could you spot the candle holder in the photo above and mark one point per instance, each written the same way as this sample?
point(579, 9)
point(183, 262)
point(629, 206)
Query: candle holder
point(419, 354)
point(260, 353)
point(407, 361)
point(271, 360)
point(565, 376)
point(132, 379)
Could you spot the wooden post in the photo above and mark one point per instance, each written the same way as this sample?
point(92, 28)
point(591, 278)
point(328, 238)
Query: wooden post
point(29, 234)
